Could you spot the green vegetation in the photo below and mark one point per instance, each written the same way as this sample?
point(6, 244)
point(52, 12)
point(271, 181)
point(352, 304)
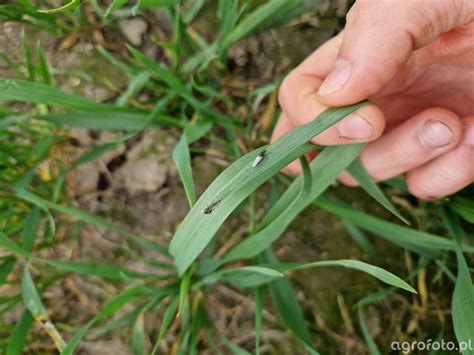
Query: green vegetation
point(183, 92)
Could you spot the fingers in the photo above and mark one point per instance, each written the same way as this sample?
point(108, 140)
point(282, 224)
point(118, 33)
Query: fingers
point(415, 142)
point(378, 40)
point(447, 173)
point(283, 126)
point(300, 103)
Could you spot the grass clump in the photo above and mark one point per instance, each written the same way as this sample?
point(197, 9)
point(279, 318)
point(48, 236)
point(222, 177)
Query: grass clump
point(183, 92)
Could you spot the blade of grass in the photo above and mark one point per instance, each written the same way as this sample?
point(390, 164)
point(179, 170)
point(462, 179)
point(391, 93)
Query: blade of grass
point(182, 158)
point(98, 151)
point(367, 337)
point(363, 178)
point(464, 207)
point(86, 217)
point(109, 120)
point(233, 348)
point(360, 238)
point(29, 232)
point(251, 22)
point(246, 276)
point(463, 295)
point(184, 294)
point(175, 83)
point(6, 267)
point(109, 309)
point(167, 319)
point(19, 334)
point(238, 181)
point(115, 5)
point(66, 7)
point(149, 4)
point(136, 84)
point(33, 303)
point(287, 305)
point(112, 272)
point(11, 119)
point(194, 9)
point(412, 239)
point(25, 13)
point(104, 148)
point(30, 67)
point(375, 271)
point(124, 68)
point(324, 169)
point(26, 91)
point(138, 336)
point(43, 68)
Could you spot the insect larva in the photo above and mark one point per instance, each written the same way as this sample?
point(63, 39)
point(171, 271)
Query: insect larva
point(259, 158)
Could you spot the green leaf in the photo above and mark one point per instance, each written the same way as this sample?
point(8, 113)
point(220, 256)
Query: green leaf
point(19, 334)
point(358, 172)
point(43, 68)
point(149, 4)
point(115, 5)
point(167, 319)
point(108, 120)
point(375, 271)
point(251, 22)
point(31, 297)
point(246, 276)
point(420, 242)
point(238, 181)
point(287, 306)
point(360, 238)
point(70, 5)
point(464, 207)
point(109, 309)
point(11, 119)
point(29, 232)
point(26, 91)
point(233, 348)
point(98, 151)
point(184, 294)
point(28, 57)
point(112, 272)
point(33, 303)
point(138, 336)
point(463, 295)
point(6, 267)
point(134, 87)
point(160, 72)
point(9, 244)
point(367, 337)
point(194, 9)
point(324, 169)
point(80, 216)
point(182, 157)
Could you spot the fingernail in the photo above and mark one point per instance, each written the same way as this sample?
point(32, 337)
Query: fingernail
point(336, 78)
point(435, 134)
point(354, 127)
point(468, 136)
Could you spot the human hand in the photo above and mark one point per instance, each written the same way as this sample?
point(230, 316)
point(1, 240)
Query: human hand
point(415, 61)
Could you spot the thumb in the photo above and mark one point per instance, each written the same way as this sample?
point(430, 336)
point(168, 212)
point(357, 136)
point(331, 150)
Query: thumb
point(378, 40)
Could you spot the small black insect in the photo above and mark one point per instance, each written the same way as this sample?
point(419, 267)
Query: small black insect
point(210, 207)
point(262, 155)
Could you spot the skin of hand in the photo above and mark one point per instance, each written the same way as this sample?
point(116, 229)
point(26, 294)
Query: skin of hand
point(414, 60)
